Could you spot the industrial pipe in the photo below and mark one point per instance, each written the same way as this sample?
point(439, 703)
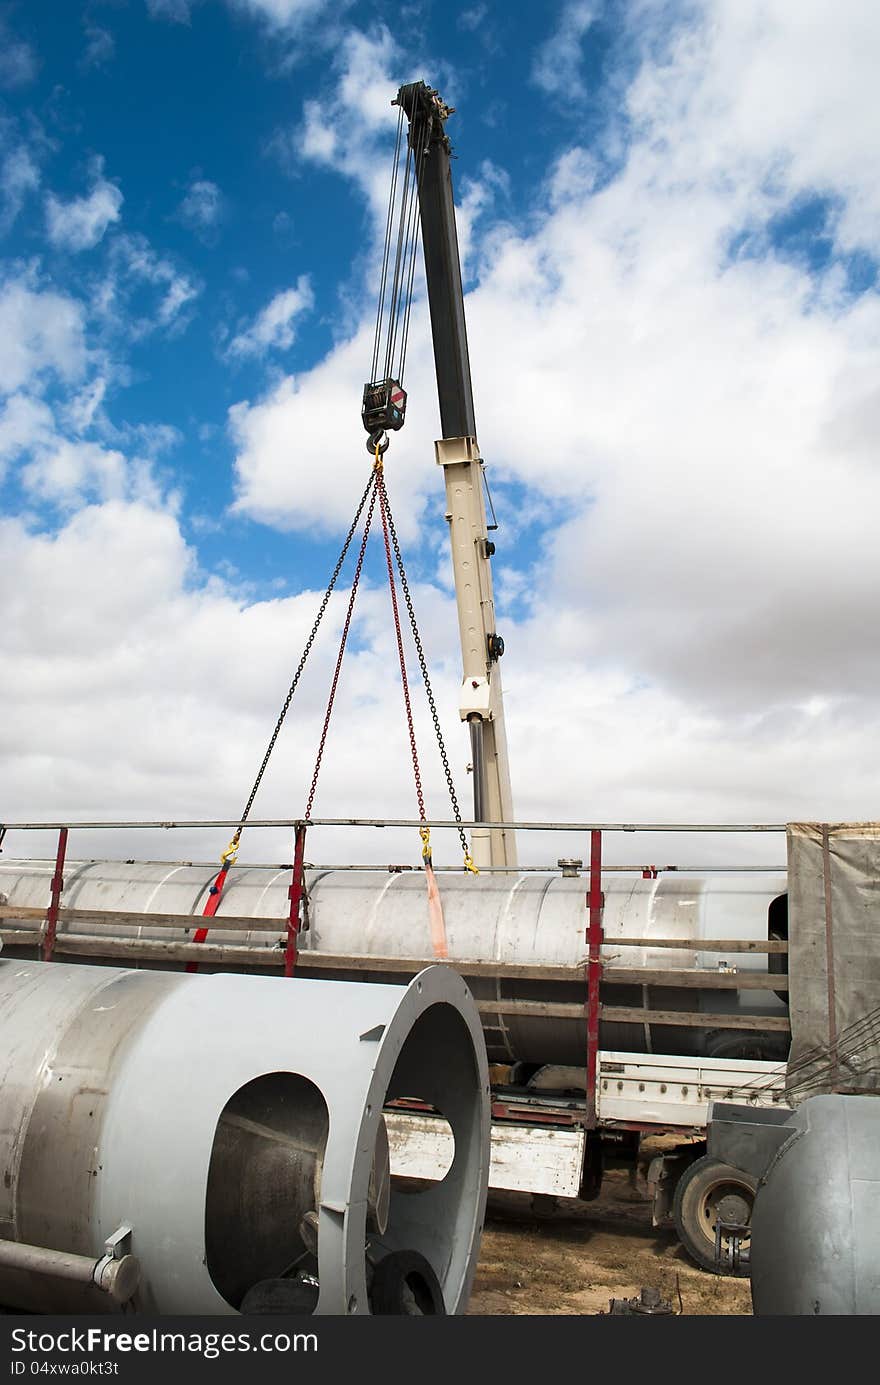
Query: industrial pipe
point(117, 1278)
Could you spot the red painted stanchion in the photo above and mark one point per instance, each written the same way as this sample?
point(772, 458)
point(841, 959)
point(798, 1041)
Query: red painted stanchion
point(55, 899)
point(595, 905)
point(296, 893)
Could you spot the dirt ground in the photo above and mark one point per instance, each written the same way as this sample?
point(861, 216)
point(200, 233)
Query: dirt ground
point(574, 1259)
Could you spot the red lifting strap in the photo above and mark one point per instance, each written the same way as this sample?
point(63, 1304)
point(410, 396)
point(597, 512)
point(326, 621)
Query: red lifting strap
point(215, 894)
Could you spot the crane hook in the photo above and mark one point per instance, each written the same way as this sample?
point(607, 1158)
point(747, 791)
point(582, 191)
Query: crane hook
point(378, 442)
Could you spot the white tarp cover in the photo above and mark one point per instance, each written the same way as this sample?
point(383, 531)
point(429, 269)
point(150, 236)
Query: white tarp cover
point(834, 956)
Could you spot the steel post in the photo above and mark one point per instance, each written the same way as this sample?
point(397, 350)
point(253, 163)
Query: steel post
point(55, 900)
point(295, 894)
point(595, 904)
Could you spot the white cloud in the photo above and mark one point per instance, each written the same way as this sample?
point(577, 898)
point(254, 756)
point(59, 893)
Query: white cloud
point(41, 333)
point(100, 46)
point(352, 129)
point(315, 417)
point(24, 423)
point(63, 470)
point(80, 224)
point(19, 175)
point(18, 62)
point(770, 88)
point(556, 65)
point(721, 407)
point(177, 11)
point(85, 406)
point(67, 472)
point(111, 618)
point(472, 19)
point(202, 208)
point(280, 16)
point(274, 328)
point(285, 14)
point(135, 263)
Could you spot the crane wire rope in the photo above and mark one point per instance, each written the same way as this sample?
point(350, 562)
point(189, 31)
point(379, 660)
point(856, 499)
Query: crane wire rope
point(396, 281)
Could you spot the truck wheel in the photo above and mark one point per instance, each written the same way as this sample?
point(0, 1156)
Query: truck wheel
point(709, 1191)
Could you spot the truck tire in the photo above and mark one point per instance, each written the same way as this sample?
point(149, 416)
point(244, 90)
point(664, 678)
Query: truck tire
point(709, 1190)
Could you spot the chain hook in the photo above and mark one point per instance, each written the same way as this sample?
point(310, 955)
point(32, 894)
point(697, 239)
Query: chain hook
point(469, 864)
point(227, 857)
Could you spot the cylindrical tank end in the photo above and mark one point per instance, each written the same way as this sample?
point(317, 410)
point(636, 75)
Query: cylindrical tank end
point(815, 1245)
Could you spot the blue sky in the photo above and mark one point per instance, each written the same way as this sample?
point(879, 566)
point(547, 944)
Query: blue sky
point(668, 215)
point(207, 168)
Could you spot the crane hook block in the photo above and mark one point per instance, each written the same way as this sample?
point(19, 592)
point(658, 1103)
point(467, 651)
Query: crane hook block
point(384, 405)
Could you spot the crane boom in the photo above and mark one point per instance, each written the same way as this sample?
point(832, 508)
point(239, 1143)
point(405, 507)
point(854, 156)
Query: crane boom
point(481, 701)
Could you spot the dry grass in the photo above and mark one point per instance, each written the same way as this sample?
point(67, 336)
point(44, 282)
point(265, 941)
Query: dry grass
point(576, 1258)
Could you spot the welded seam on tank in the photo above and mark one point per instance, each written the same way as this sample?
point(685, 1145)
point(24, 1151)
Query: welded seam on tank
point(149, 902)
point(796, 1135)
point(70, 880)
point(311, 879)
point(201, 898)
point(254, 912)
point(374, 911)
point(501, 1026)
point(624, 927)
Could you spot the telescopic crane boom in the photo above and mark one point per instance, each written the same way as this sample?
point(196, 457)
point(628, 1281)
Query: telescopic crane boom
point(480, 703)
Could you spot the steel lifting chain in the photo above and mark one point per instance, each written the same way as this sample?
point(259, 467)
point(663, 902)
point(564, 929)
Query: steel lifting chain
point(426, 679)
point(424, 831)
point(375, 482)
point(375, 488)
point(229, 855)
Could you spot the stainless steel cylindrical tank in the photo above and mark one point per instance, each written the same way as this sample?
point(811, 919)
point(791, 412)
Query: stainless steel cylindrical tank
point(201, 1118)
point(528, 920)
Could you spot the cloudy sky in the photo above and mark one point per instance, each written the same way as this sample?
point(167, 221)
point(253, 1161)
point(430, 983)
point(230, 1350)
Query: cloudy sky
point(669, 218)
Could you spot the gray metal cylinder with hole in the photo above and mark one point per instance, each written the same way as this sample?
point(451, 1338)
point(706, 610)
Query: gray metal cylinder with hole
point(213, 1114)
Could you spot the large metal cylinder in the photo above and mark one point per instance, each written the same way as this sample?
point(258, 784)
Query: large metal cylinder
point(815, 1231)
point(210, 1114)
point(528, 920)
